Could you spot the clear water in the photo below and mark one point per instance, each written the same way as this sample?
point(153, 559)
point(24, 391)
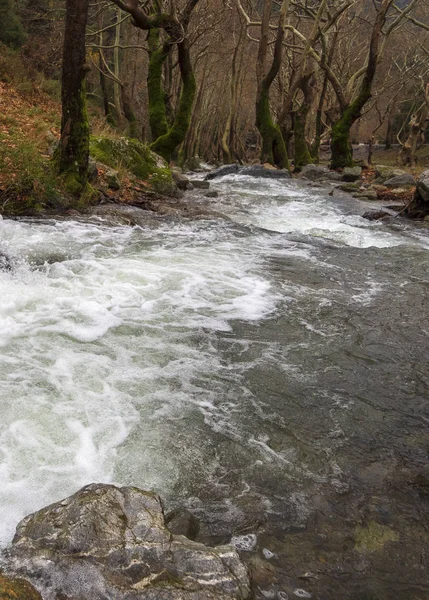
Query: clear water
point(266, 369)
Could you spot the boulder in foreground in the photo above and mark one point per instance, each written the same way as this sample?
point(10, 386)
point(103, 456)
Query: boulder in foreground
point(108, 542)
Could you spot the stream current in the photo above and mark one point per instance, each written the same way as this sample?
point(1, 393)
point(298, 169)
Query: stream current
point(267, 369)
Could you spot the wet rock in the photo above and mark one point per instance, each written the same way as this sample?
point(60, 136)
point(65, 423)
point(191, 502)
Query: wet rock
point(17, 589)
point(376, 215)
point(252, 171)
point(225, 170)
point(108, 542)
point(180, 180)
point(211, 194)
point(121, 214)
point(370, 195)
point(400, 181)
point(261, 171)
point(423, 186)
point(352, 173)
point(349, 187)
point(200, 185)
point(372, 537)
point(315, 172)
point(183, 522)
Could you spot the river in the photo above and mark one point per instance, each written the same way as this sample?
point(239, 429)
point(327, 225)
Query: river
point(267, 369)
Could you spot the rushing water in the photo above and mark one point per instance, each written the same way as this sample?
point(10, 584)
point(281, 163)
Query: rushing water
point(268, 370)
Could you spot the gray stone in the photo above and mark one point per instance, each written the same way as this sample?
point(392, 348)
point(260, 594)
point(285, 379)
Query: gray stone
point(315, 172)
point(384, 172)
point(349, 187)
point(366, 195)
point(211, 194)
point(180, 180)
point(400, 181)
point(225, 170)
point(108, 542)
point(261, 171)
point(352, 173)
point(423, 186)
point(376, 215)
point(202, 185)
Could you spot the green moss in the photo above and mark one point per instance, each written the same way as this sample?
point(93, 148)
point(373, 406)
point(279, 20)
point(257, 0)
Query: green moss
point(162, 182)
point(373, 536)
point(137, 158)
point(17, 589)
point(124, 152)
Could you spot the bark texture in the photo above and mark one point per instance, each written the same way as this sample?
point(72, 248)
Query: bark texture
point(73, 152)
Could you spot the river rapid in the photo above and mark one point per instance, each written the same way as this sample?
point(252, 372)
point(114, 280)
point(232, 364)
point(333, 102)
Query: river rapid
point(267, 369)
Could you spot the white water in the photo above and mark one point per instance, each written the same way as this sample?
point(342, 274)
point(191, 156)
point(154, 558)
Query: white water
point(107, 336)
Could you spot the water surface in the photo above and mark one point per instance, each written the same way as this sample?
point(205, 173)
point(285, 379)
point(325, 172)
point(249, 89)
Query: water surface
point(267, 369)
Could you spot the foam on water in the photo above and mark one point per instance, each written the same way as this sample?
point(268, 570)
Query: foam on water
point(108, 337)
point(287, 207)
point(93, 344)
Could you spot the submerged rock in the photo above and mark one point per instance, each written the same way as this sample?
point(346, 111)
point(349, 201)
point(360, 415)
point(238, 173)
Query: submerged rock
point(108, 542)
point(225, 170)
point(261, 171)
point(252, 171)
point(200, 185)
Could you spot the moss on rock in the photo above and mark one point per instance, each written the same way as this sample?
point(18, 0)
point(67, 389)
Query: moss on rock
point(373, 536)
point(137, 158)
point(17, 589)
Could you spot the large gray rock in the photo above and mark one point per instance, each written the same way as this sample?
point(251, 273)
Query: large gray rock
point(315, 172)
point(251, 171)
point(106, 542)
point(385, 172)
point(400, 181)
point(352, 173)
point(180, 180)
point(225, 170)
point(423, 186)
point(261, 171)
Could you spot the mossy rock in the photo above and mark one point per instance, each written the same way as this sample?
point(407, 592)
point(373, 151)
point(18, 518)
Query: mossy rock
point(128, 153)
point(373, 536)
point(17, 589)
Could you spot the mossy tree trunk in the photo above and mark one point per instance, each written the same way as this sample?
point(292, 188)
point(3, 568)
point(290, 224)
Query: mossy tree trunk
point(302, 152)
point(167, 144)
point(157, 109)
point(73, 152)
point(166, 139)
point(273, 148)
point(341, 148)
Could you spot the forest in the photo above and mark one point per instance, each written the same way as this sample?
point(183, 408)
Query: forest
point(214, 254)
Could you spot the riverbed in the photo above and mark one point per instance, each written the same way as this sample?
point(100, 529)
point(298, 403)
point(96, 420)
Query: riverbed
point(266, 368)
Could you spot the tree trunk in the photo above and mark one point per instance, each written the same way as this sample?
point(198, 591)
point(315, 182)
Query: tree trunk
point(342, 153)
point(167, 144)
point(273, 146)
point(157, 109)
point(302, 153)
point(73, 152)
